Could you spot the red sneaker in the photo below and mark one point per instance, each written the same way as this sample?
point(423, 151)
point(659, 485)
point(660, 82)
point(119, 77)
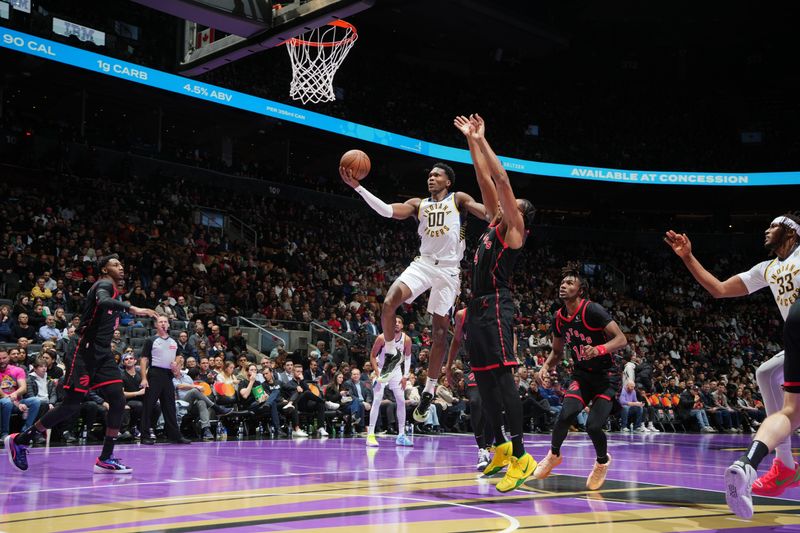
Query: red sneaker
point(778, 479)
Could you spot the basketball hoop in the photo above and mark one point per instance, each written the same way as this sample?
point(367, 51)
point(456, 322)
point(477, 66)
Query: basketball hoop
point(315, 57)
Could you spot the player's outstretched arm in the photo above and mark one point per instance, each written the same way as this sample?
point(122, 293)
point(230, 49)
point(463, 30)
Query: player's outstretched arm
point(512, 218)
point(473, 131)
point(399, 211)
point(682, 246)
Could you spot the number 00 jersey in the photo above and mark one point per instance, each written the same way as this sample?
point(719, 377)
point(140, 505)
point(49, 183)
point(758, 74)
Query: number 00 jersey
point(441, 229)
point(782, 277)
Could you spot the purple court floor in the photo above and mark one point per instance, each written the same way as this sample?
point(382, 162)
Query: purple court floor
point(661, 482)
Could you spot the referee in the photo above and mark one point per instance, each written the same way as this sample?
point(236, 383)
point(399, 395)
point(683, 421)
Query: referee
point(158, 357)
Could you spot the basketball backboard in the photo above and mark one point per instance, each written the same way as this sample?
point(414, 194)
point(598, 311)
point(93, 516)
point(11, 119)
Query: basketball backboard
point(217, 32)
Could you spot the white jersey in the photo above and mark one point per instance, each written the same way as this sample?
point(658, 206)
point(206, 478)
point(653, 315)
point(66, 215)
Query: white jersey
point(782, 277)
point(400, 346)
point(441, 229)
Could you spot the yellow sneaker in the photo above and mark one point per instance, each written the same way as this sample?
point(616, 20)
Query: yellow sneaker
point(518, 471)
point(598, 475)
point(502, 454)
point(547, 465)
point(372, 441)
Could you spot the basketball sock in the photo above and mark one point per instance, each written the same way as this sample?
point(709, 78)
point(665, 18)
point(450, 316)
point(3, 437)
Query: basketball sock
point(430, 386)
point(25, 437)
point(556, 451)
point(389, 347)
point(603, 460)
point(758, 450)
point(108, 448)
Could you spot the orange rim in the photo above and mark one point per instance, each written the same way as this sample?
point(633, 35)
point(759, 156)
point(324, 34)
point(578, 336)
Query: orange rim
point(295, 41)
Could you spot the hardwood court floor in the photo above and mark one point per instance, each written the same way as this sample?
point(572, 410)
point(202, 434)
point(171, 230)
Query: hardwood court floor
point(662, 482)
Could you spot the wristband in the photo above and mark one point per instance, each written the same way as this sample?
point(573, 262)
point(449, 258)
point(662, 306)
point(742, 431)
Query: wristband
point(601, 349)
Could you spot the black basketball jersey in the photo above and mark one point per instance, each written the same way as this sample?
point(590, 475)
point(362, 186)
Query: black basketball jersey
point(584, 328)
point(101, 315)
point(493, 263)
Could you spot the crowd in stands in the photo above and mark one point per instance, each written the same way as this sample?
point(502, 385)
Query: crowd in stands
point(691, 359)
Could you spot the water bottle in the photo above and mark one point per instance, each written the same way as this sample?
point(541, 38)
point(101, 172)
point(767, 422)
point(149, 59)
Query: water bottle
point(260, 430)
point(341, 429)
point(240, 431)
point(222, 433)
point(272, 434)
point(410, 431)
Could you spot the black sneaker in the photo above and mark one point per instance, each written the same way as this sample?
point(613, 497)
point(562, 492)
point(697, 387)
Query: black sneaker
point(207, 434)
point(388, 366)
point(69, 437)
point(17, 453)
point(421, 412)
point(222, 410)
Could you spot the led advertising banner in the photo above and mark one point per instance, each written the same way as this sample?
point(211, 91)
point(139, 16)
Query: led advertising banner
point(102, 64)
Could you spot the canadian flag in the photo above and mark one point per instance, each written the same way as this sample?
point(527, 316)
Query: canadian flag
point(204, 38)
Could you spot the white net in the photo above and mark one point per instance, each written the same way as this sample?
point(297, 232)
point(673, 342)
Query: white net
point(315, 57)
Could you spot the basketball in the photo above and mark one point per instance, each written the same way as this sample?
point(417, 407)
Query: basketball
point(357, 162)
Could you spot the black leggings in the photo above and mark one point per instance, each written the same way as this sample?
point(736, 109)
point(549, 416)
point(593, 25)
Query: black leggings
point(499, 393)
point(598, 415)
point(480, 426)
point(71, 406)
point(791, 348)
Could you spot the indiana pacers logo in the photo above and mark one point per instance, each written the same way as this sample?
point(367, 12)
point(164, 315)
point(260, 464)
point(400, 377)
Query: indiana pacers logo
point(785, 278)
point(435, 215)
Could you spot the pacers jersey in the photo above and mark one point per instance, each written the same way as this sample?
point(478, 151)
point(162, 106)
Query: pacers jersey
point(782, 277)
point(493, 264)
point(441, 229)
point(584, 328)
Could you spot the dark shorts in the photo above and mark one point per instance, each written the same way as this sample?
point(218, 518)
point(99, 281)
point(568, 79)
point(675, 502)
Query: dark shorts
point(588, 387)
point(89, 368)
point(490, 335)
point(791, 350)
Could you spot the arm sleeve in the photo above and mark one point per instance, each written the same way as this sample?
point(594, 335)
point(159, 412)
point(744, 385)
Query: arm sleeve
point(106, 299)
point(755, 278)
point(597, 316)
point(378, 205)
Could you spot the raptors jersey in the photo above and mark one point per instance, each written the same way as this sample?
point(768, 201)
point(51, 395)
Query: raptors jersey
point(493, 264)
point(584, 328)
point(441, 229)
point(782, 277)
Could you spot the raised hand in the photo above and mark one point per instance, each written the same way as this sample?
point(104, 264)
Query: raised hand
point(478, 125)
point(347, 177)
point(463, 125)
point(679, 243)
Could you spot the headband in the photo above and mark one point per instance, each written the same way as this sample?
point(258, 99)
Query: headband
point(786, 221)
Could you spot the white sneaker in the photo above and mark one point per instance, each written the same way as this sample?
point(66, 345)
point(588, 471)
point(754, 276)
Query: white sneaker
point(322, 433)
point(626, 430)
point(739, 478)
point(288, 405)
point(641, 429)
point(299, 433)
point(707, 429)
point(332, 406)
point(483, 458)
point(653, 429)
